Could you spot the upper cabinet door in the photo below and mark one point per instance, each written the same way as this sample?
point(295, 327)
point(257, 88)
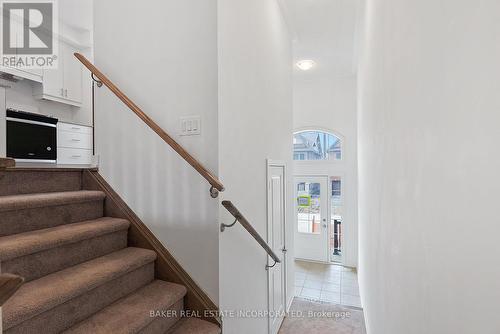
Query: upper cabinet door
point(72, 73)
point(53, 82)
point(53, 79)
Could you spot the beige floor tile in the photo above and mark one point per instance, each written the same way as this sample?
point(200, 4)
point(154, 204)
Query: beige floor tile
point(350, 290)
point(299, 282)
point(349, 275)
point(310, 293)
point(310, 284)
point(350, 282)
point(349, 300)
point(300, 275)
point(330, 297)
point(327, 283)
point(331, 287)
point(332, 277)
point(315, 276)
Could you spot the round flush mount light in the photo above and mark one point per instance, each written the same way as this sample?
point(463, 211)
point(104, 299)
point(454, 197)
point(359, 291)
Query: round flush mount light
point(306, 65)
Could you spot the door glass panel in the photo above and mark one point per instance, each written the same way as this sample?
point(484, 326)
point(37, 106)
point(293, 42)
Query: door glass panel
point(309, 207)
point(336, 220)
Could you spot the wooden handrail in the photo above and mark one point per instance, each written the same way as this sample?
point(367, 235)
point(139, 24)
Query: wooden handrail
point(214, 182)
point(244, 222)
point(7, 163)
point(9, 284)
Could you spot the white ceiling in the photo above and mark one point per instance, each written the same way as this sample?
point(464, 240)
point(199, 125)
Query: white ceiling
point(325, 32)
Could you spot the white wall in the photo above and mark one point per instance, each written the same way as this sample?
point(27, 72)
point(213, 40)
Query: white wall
point(429, 134)
point(255, 123)
point(323, 100)
point(163, 54)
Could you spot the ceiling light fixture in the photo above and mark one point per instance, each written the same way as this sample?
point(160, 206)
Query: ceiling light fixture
point(306, 65)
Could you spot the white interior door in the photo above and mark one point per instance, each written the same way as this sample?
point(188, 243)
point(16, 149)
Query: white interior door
point(276, 240)
point(311, 207)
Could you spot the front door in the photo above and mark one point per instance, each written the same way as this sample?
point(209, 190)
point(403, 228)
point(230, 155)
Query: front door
point(311, 207)
point(276, 240)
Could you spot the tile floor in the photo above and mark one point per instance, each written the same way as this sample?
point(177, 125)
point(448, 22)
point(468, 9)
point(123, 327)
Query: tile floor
point(327, 283)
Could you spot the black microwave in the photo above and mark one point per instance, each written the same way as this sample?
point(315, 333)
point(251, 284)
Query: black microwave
point(31, 137)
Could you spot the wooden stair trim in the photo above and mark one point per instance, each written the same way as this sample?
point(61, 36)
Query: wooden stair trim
point(166, 267)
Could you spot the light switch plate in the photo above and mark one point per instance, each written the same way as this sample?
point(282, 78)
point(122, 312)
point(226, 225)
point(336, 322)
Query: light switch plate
point(190, 126)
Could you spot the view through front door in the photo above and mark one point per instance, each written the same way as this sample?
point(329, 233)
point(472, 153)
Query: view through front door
point(312, 218)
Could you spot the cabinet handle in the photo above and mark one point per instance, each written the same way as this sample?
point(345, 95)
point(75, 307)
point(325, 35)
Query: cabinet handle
point(66, 93)
point(76, 156)
point(62, 92)
point(75, 128)
point(75, 140)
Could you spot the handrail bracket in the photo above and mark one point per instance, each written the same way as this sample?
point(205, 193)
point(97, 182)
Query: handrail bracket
point(214, 193)
point(224, 226)
point(269, 267)
point(97, 81)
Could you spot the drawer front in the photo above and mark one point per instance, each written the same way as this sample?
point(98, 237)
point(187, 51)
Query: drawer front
point(74, 128)
point(72, 156)
point(74, 140)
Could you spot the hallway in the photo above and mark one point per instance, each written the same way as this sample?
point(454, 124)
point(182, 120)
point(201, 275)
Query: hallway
point(326, 301)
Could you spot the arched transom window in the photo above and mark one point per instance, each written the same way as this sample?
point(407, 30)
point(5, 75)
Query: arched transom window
point(316, 145)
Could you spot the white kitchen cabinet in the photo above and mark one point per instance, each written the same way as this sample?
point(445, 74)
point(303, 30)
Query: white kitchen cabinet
point(63, 84)
point(69, 127)
point(52, 84)
point(72, 78)
point(73, 156)
point(74, 144)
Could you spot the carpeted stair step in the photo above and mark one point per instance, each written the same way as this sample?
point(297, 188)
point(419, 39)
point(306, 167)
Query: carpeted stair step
point(132, 314)
point(23, 213)
point(194, 326)
point(18, 181)
point(57, 301)
point(38, 253)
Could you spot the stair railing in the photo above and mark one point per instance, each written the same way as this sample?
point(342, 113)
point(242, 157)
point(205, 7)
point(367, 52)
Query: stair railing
point(216, 185)
point(101, 79)
point(244, 222)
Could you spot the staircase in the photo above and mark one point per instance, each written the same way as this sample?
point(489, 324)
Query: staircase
point(81, 275)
